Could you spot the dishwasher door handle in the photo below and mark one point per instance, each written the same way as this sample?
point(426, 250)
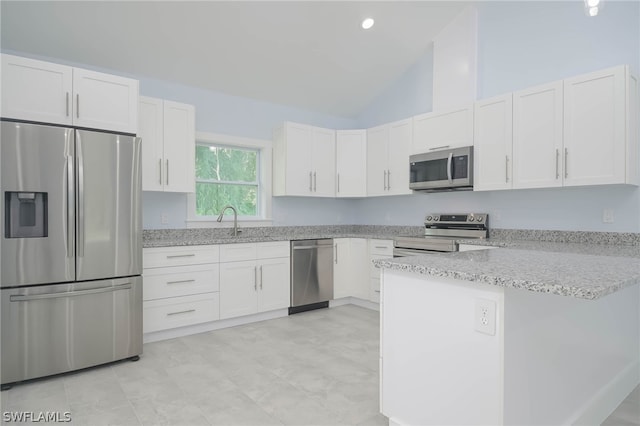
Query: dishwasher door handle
point(311, 247)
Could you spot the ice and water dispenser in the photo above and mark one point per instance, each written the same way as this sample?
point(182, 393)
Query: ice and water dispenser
point(25, 214)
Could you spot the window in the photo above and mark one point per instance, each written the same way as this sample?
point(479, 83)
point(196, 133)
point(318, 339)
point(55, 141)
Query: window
point(230, 170)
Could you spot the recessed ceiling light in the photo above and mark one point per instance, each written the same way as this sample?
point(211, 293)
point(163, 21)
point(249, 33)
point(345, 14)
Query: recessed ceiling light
point(368, 23)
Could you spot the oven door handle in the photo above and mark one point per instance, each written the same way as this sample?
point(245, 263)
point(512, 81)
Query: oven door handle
point(449, 164)
point(400, 252)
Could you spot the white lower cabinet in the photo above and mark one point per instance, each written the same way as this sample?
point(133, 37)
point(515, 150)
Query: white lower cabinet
point(378, 249)
point(181, 287)
point(350, 268)
point(254, 278)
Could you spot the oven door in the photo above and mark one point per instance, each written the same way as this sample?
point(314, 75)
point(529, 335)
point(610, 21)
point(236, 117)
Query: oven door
point(448, 169)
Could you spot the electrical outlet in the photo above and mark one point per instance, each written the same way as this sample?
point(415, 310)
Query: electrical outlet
point(607, 216)
point(485, 319)
point(164, 218)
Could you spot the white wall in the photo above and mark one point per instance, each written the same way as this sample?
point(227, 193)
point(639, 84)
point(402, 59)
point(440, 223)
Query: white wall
point(521, 44)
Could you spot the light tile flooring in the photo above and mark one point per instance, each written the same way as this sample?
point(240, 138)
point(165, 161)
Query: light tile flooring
point(318, 367)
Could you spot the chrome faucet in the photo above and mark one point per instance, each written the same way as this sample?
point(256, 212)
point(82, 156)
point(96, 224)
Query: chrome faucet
point(235, 218)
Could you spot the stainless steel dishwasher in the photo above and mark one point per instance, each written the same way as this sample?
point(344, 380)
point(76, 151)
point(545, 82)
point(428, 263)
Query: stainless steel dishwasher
point(311, 274)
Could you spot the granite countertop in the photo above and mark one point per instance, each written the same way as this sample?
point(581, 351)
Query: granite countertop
point(206, 236)
point(585, 271)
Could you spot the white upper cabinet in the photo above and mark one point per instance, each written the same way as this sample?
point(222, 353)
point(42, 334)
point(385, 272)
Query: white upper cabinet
point(304, 161)
point(36, 90)
point(104, 101)
point(600, 128)
point(351, 163)
point(537, 136)
point(442, 130)
point(168, 145)
point(388, 158)
point(493, 143)
point(51, 93)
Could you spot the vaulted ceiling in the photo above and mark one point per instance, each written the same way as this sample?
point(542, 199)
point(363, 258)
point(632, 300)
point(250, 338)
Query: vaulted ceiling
point(307, 54)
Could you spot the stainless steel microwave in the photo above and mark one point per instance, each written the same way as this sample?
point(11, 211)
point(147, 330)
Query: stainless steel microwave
point(446, 170)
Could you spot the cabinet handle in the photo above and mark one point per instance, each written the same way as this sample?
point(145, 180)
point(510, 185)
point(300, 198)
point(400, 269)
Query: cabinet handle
point(181, 312)
point(338, 182)
point(78, 105)
point(260, 277)
point(310, 182)
point(506, 168)
point(389, 180)
point(335, 246)
point(171, 256)
point(381, 247)
point(160, 169)
point(557, 164)
point(315, 181)
point(255, 278)
point(385, 180)
point(377, 291)
point(439, 147)
point(167, 172)
point(67, 104)
point(566, 170)
point(181, 282)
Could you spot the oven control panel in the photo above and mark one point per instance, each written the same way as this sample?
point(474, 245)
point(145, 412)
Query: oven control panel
point(467, 218)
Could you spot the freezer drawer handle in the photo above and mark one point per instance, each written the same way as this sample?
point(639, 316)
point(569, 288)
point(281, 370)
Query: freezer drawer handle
point(180, 255)
point(181, 312)
point(25, 298)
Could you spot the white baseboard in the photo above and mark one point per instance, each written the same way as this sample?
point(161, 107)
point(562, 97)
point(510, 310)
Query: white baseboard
point(603, 403)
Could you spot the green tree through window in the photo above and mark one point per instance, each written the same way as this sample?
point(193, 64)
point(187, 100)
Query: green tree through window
point(226, 175)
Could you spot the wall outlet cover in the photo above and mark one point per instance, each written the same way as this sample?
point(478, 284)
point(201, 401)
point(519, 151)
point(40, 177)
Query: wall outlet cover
point(485, 316)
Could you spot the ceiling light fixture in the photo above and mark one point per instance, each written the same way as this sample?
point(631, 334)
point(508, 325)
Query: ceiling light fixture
point(592, 7)
point(368, 23)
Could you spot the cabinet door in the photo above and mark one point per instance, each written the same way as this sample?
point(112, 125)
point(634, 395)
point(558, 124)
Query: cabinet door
point(274, 284)
point(537, 136)
point(324, 162)
point(36, 90)
point(351, 163)
point(493, 143)
point(341, 268)
point(359, 268)
point(442, 130)
point(377, 161)
point(179, 147)
point(238, 289)
point(299, 173)
point(594, 128)
point(105, 101)
point(150, 129)
point(400, 135)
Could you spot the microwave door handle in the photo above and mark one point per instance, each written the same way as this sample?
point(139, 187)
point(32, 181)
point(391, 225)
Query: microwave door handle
point(449, 164)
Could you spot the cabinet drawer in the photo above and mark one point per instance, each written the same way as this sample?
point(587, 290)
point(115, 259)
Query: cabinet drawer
point(238, 252)
point(157, 257)
point(180, 311)
point(175, 281)
point(382, 247)
point(273, 250)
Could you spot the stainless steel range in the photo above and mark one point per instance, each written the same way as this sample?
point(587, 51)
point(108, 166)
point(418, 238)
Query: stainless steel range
point(441, 233)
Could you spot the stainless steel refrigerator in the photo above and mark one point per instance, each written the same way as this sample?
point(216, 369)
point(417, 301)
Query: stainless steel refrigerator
point(71, 285)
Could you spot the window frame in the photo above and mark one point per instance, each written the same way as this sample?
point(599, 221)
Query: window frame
point(264, 148)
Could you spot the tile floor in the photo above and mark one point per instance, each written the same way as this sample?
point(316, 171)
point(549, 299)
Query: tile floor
point(318, 367)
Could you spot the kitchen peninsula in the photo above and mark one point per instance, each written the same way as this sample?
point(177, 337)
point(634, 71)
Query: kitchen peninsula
point(543, 335)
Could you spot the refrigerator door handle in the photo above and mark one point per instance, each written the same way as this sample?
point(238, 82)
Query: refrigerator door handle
point(27, 297)
point(70, 206)
point(80, 197)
